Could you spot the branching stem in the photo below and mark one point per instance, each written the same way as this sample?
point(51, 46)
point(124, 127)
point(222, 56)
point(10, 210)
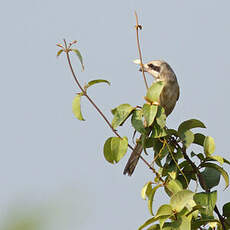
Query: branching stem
point(67, 50)
point(85, 93)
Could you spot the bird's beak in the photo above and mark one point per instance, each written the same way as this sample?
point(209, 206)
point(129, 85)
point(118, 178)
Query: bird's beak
point(138, 62)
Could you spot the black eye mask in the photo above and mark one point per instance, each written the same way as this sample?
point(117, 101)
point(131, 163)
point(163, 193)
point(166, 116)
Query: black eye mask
point(156, 68)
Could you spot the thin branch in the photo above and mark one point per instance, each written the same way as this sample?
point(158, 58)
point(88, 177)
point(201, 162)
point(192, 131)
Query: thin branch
point(71, 68)
point(221, 218)
point(139, 49)
point(84, 92)
point(67, 50)
point(170, 151)
point(195, 169)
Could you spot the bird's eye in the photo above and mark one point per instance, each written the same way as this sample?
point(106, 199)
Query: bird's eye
point(151, 66)
point(156, 68)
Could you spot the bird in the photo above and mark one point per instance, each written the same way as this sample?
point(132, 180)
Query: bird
point(161, 71)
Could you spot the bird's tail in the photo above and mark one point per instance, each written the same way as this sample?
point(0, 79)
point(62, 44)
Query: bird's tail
point(132, 162)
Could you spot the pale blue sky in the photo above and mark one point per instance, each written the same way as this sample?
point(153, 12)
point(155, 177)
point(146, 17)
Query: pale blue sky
point(46, 152)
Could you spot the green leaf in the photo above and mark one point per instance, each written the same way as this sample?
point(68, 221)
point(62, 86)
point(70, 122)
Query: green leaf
point(163, 213)
point(154, 227)
point(192, 154)
point(157, 131)
point(190, 124)
point(154, 91)
point(172, 174)
point(221, 170)
point(199, 139)
point(115, 148)
point(149, 142)
point(183, 181)
point(178, 155)
point(218, 159)
point(93, 82)
point(161, 117)
point(143, 138)
point(209, 146)
point(199, 155)
point(149, 112)
point(206, 200)
point(184, 164)
point(137, 121)
point(164, 210)
point(59, 52)
point(121, 113)
point(212, 225)
point(183, 212)
point(174, 186)
point(79, 57)
point(146, 190)
point(160, 151)
point(211, 177)
point(151, 197)
point(76, 107)
point(148, 222)
point(172, 132)
point(226, 210)
point(185, 223)
point(194, 209)
point(187, 137)
point(181, 199)
point(174, 225)
point(169, 168)
point(189, 172)
point(227, 224)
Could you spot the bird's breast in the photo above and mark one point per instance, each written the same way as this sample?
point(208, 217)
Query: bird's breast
point(169, 96)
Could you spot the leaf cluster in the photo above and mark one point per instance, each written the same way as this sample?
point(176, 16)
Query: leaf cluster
point(174, 169)
point(187, 209)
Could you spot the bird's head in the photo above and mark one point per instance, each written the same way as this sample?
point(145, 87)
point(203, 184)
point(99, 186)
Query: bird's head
point(159, 69)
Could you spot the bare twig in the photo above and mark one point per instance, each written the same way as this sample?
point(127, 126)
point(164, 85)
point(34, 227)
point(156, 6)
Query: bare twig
point(176, 163)
point(137, 27)
point(221, 218)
